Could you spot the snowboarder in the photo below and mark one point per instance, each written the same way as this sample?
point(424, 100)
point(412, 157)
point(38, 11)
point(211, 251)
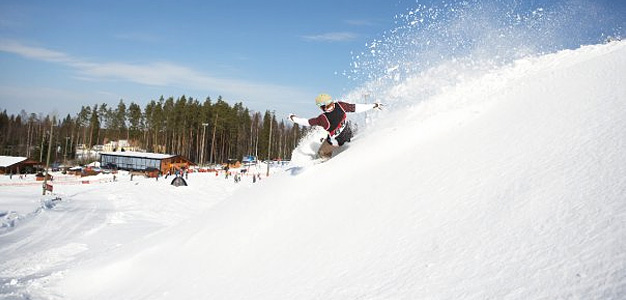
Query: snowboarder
point(333, 120)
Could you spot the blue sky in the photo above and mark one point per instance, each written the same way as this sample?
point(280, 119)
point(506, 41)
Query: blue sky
point(59, 55)
point(56, 56)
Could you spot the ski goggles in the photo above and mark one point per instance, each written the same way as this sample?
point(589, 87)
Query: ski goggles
point(325, 106)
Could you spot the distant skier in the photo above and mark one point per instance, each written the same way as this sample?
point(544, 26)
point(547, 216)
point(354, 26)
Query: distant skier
point(333, 120)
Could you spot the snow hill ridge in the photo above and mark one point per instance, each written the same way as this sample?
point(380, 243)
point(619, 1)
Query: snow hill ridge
point(510, 185)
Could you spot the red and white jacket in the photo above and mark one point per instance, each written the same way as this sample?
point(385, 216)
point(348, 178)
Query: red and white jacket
point(334, 121)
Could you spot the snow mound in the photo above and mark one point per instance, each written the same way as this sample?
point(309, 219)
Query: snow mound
point(10, 219)
point(508, 185)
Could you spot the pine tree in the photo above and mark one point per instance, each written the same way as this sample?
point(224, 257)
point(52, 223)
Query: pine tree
point(118, 121)
point(135, 121)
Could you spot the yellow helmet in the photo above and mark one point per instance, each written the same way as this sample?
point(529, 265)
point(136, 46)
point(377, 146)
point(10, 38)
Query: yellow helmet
point(323, 99)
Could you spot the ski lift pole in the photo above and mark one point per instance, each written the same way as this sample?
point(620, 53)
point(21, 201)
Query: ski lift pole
point(269, 148)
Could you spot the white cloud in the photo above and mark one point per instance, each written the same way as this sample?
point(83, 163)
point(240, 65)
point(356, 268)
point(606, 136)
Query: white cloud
point(163, 74)
point(34, 52)
point(332, 37)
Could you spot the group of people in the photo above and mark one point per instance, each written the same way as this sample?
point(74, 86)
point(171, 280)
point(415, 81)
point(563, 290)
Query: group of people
point(178, 172)
point(22, 176)
point(237, 175)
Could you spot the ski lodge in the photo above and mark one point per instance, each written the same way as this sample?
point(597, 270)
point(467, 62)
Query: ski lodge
point(17, 165)
point(140, 161)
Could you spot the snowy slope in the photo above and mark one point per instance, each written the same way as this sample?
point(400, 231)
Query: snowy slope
point(96, 217)
point(508, 185)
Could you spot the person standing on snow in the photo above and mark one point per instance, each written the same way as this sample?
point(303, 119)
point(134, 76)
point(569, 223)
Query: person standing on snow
point(333, 120)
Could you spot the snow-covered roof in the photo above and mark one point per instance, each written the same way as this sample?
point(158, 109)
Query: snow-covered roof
point(94, 164)
point(139, 154)
point(6, 161)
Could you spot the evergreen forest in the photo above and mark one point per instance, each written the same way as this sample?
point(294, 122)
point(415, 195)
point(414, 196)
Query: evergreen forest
point(203, 131)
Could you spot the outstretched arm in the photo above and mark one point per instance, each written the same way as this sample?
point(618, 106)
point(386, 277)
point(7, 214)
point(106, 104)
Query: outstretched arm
point(320, 120)
point(358, 108)
point(299, 120)
point(365, 107)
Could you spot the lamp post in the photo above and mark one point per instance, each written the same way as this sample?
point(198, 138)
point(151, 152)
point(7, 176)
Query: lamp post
point(204, 125)
point(212, 157)
point(269, 147)
point(45, 177)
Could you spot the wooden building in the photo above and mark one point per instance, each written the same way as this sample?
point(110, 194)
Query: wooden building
point(17, 165)
point(143, 161)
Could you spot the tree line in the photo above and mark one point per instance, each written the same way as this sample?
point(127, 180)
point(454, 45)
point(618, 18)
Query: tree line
point(204, 132)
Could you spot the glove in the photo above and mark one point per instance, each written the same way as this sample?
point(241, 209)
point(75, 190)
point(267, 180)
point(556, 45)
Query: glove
point(299, 120)
point(378, 106)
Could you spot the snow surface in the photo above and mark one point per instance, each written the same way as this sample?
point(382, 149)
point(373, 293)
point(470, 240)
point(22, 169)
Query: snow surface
point(42, 237)
point(511, 184)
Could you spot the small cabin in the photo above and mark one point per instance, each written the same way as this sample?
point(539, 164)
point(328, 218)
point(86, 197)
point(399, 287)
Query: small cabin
point(17, 165)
